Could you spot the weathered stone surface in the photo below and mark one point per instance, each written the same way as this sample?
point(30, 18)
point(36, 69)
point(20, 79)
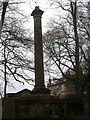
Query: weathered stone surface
point(34, 106)
point(39, 67)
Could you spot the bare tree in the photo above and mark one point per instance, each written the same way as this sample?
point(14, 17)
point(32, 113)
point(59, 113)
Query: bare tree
point(3, 7)
point(65, 42)
point(16, 44)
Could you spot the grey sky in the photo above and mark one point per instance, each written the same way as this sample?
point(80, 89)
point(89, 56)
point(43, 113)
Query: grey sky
point(28, 7)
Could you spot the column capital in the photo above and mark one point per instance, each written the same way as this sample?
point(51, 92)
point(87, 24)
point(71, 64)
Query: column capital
point(37, 12)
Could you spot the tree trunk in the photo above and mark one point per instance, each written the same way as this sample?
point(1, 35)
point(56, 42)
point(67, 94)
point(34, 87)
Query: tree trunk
point(77, 65)
point(5, 63)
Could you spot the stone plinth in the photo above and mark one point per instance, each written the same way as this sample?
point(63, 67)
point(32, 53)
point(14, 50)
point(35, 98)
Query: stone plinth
point(33, 107)
point(40, 106)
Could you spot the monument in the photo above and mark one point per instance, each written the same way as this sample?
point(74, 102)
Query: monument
point(39, 104)
point(39, 67)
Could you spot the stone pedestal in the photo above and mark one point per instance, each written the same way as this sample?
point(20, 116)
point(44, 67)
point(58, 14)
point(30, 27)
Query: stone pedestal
point(39, 107)
point(36, 107)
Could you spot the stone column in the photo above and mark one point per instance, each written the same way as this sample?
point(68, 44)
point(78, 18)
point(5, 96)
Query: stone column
point(39, 67)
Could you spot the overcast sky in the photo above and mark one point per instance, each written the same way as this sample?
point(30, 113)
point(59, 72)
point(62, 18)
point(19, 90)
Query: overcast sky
point(28, 7)
point(44, 5)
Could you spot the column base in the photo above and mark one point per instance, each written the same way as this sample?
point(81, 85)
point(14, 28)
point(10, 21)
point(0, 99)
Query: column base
point(40, 90)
